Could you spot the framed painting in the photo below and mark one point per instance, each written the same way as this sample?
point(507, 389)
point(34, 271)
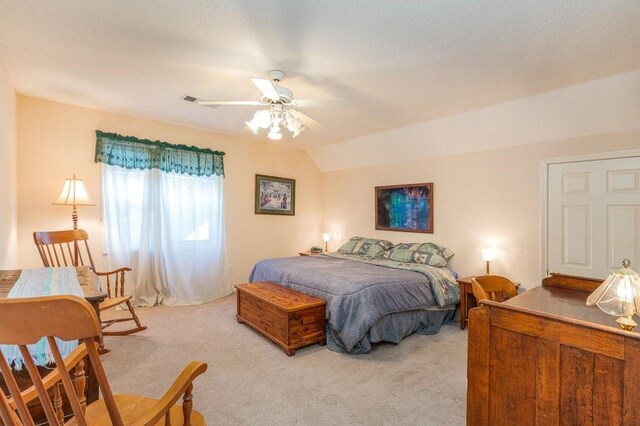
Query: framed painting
point(406, 208)
point(275, 195)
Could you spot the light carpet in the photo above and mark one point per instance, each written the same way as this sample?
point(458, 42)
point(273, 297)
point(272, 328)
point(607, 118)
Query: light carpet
point(250, 380)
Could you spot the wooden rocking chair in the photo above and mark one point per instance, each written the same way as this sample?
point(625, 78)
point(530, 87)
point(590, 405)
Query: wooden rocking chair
point(65, 248)
point(23, 321)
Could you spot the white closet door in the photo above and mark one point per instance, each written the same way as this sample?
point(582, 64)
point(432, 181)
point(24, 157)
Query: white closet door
point(593, 216)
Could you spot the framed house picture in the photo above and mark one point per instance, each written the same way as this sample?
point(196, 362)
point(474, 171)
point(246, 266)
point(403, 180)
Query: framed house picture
point(407, 208)
point(275, 195)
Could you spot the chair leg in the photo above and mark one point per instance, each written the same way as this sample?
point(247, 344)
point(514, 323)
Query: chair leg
point(134, 318)
point(133, 314)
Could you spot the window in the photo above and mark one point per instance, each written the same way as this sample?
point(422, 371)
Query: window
point(164, 216)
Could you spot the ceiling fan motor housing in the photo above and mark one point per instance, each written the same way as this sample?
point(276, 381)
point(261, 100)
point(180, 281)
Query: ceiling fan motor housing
point(285, 95)
point(276, 75)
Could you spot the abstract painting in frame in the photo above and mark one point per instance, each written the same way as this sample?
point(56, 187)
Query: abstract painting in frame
point(275, 195)
point(407, 208)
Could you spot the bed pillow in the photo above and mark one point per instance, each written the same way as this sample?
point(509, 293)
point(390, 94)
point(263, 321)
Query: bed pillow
point(448, 254)
point(427, 253)
point(369, 247)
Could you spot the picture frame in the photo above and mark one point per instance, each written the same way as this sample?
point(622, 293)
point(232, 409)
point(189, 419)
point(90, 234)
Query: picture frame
point(404, 208)
point(275, 195)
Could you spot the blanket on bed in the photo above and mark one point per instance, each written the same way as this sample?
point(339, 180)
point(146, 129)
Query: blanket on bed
point(359, 292)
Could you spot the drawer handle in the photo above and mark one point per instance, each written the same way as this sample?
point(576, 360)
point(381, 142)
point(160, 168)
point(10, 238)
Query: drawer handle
point(308, 320)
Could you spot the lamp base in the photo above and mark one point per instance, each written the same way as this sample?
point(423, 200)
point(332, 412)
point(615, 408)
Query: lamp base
point(74, 216)
point(626, 323)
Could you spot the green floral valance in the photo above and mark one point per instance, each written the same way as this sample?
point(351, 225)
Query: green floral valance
point(133, 153)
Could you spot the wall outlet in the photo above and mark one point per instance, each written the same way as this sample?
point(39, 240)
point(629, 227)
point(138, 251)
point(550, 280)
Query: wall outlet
point(230, 269)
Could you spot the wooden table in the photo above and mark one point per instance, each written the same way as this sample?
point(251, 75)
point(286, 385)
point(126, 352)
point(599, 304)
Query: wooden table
point(544, 357)
point(90, 285)
point(468, 300)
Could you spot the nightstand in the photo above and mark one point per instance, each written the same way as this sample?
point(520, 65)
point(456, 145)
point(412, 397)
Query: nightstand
point(468, 300)
point(308, 253)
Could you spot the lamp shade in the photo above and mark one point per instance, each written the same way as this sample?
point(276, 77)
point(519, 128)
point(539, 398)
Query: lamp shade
point(325, 237)
point(619, 294)
point(74, 194)
point(252, 125)
point(488, 254)
point(273, 119)
point(275, 134)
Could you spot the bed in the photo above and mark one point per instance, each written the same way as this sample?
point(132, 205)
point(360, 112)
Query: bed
point(368, 299)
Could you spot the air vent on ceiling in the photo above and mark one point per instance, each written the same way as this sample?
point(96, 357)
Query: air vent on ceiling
point(194, 100)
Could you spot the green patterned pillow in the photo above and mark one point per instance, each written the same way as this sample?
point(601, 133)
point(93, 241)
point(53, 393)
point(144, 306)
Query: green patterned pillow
point(448, 254)
point(369, 247)
point(427, 253)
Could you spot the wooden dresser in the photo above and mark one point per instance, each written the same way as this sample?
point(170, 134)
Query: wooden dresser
point(545, 358)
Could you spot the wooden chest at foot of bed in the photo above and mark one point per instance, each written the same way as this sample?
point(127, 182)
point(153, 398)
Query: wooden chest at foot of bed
point(289, 318)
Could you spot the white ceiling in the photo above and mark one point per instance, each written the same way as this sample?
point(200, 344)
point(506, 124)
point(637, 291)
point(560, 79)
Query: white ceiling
point(394, 63)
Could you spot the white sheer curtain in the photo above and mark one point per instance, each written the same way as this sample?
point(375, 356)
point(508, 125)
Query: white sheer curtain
point(169, 227)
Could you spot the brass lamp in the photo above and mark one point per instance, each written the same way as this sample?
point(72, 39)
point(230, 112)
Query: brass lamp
point(325, 238)
point(488, 254)
point(74, 194)
point(619, 296)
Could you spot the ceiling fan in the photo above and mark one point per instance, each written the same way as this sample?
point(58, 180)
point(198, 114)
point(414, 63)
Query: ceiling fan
point(279, 101)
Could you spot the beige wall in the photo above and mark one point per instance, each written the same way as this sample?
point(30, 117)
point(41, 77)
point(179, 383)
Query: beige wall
point(8, 173)
point(482, 198)
point(57, 140)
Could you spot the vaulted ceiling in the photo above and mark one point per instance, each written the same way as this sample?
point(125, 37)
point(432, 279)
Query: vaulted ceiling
point(393, 63)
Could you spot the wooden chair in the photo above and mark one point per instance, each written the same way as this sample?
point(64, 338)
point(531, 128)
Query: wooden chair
point(24, 321)
point(492, 287)
point(66, 248)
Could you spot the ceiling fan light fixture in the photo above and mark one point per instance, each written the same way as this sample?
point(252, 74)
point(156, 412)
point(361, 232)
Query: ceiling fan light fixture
point(262, 118)
point(275, 134)
point(274, 117)
point(278, 100)
point(252, 125)
point(297, 132)
point(293, 123)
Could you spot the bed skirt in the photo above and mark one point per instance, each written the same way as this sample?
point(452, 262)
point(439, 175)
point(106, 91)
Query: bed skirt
point(395, 327)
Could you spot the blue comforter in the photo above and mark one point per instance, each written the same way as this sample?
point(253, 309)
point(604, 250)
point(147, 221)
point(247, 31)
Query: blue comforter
point(360, 292)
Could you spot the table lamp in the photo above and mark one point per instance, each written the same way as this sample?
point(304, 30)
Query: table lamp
point(74, 194)
point(325, 238)
point(488, 254)
point(618, 295)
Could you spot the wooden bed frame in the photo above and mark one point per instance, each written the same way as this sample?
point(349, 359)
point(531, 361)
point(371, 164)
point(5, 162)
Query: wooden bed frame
point(544, 357)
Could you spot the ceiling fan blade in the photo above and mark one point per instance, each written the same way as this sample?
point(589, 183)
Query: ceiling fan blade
point(310, 103)
point(306, 120)
point(267, 88)
point(209, 103)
